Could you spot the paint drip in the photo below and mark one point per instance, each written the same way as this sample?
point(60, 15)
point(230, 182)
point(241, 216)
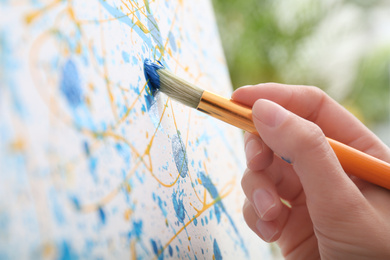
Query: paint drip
point(180, 155)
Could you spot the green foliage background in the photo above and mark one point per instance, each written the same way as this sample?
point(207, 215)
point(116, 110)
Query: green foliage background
point(270, 40)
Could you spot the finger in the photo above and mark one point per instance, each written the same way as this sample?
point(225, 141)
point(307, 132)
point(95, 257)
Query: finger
point(269, 231)
point(292, 229)
point(304, 144)
point(286, 181)
point(258, 155)
point(314, 105)
point(261, 192)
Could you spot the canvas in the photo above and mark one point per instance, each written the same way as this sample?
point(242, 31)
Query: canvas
point(92, 165)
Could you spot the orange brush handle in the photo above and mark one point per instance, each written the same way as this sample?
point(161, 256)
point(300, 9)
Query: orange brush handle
point(353, 161)
point(362, 165)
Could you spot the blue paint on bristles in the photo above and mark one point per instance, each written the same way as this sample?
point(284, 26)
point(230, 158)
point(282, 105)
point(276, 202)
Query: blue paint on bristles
point(151, 75)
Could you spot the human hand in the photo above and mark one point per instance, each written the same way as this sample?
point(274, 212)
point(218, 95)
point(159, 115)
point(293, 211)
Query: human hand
point(331, 215)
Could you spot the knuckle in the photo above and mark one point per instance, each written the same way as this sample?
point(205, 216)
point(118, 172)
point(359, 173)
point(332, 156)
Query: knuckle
point(314, 137)
point(314, 91)
point(311, 139)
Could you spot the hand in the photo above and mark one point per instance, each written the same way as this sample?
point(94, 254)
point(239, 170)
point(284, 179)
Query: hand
point(330, 215)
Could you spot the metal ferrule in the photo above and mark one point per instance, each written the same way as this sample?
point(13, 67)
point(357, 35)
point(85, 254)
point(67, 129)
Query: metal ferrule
point(227, 110)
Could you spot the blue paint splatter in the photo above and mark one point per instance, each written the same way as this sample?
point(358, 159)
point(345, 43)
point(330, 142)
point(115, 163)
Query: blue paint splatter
point(65, 252)
point(76, 202)
point(217, 252)
point(86, 148)
point(172, 41)
point(170, 250)
point(125, 152)
point(180, 155)
point(125, 56)
point(154, 246)
point(102, 215)
point(157, 249)
point(135, 60)
point(218, 207)
point(70, 84)
point(92, 163)
point(178, 206)
point(217, 214)
point(122, 17)
point(155, 31)
point(162, 205)
point(137, 228)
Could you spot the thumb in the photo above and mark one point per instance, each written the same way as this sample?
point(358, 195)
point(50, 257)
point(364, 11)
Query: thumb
point(303, 144)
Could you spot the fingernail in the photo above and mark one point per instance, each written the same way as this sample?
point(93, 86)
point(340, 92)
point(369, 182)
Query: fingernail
point(264, 201)
point(253, 148)
point(267, 229)
point(246, 86)
point(269, 113)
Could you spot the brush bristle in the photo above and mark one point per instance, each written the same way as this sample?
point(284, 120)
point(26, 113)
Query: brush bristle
point(179, 89)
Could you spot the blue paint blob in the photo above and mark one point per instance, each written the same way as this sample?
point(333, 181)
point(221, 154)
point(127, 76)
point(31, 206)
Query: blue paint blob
point(206, 182)
point(151, 75)
point(154, 246)
point(162, 205)
point(172, 41)
point(217, 214)
point(86, 148)
point(180, 155)
point(217, 252)
point(135, 60)
point(70, 84)
point(178, 206)
point(157, 249)
point(102, 215)
point(137, 228)
point(125, 56)
point(124, 151)
point(65, 252)
point(92, 163)
point(170, 250)
point(195, 221)
point(76, 202)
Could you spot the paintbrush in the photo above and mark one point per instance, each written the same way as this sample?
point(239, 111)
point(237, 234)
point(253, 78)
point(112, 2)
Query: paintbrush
point(353, 161)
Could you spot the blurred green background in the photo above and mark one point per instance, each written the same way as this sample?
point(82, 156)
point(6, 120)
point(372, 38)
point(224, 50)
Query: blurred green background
point(341, 46)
